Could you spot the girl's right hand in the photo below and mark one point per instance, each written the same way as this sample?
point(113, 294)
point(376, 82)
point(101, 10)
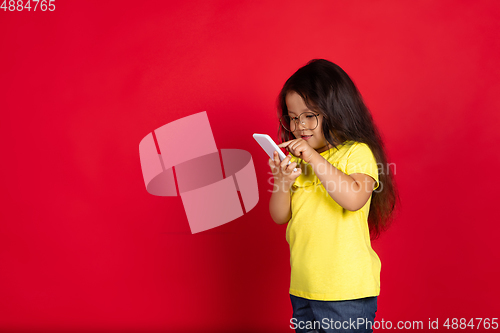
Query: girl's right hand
point(283, 172)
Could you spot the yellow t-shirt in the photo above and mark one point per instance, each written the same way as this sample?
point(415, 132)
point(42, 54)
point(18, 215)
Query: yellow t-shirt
point(331, 256)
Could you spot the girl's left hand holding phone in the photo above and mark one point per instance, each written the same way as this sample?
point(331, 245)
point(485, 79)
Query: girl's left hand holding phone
point(300, 148)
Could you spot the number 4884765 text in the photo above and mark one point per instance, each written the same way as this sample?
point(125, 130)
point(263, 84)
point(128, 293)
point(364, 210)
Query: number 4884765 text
point(28, 5)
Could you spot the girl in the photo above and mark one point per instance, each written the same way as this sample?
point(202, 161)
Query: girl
point(335, 200)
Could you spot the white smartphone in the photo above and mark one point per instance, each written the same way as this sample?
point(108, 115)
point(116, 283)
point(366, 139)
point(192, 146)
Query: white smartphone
point(270, 146)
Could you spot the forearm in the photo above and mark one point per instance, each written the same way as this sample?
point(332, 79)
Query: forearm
point(341, 187)
point(279, 204)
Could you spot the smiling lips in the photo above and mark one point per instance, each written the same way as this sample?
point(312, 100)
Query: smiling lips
point(306, 137)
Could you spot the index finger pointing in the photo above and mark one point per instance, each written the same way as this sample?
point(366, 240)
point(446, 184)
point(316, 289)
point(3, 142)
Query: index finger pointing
point(284, 144)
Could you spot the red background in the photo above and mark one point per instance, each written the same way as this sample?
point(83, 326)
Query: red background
point(84, 247)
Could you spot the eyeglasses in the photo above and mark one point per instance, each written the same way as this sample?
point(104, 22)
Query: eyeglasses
point(308, 120)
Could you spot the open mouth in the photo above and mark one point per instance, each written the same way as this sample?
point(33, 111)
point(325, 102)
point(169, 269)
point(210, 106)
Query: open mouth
point(306, 137)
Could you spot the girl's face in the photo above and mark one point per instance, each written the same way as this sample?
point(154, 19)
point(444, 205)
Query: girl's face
point(315, 137)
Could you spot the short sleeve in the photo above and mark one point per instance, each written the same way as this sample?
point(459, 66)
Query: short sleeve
point(360, 159)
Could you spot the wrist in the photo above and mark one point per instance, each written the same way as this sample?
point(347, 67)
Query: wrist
point(313, 157)
point(282, 185)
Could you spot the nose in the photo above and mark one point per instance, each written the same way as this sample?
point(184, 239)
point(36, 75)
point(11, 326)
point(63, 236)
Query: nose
point(299, 124)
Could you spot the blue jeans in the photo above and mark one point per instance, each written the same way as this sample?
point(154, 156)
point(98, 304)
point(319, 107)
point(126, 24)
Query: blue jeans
point(355, 315)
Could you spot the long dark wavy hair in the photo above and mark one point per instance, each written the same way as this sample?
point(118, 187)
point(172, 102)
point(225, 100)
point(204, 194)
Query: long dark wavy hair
point(328, 90)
